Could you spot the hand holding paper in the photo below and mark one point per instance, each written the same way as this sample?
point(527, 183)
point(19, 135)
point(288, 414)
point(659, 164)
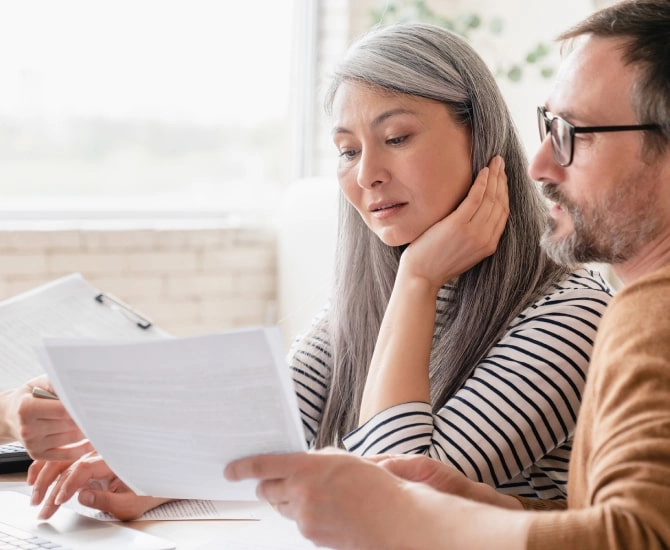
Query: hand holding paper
point(168, 415)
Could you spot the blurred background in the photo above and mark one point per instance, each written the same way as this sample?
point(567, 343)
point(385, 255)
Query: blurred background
point(176, 154)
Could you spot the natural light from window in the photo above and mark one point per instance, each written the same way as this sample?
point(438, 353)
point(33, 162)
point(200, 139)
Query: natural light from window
point(169, 105)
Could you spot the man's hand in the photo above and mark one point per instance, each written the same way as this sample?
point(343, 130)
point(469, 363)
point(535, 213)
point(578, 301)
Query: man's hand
point(444, 478)
point(343, 501)
point(335, 498)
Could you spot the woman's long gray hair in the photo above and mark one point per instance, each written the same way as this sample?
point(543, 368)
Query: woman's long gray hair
point(428, 61)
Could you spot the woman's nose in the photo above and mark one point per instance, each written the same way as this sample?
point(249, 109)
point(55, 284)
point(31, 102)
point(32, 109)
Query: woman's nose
point(371, 170)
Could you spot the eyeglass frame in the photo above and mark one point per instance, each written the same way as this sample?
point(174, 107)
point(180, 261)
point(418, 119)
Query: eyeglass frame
point(545, 125)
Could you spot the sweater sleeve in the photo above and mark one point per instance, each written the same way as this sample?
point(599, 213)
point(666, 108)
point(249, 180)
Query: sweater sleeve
point(541, 505)
point(620, 471)
point(519, 406)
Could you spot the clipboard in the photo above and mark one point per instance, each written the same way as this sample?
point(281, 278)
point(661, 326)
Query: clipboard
point(113, 302)
point(68, 307)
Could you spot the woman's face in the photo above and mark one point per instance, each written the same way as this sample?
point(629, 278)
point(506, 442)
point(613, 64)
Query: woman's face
point(404, 162)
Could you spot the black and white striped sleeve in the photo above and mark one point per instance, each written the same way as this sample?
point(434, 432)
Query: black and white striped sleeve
point(520, 403)
point(310, 362)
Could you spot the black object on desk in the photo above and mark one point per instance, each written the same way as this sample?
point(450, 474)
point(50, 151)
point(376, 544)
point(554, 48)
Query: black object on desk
point(14, 458)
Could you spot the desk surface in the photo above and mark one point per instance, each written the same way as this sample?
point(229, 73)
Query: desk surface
point(270, 532)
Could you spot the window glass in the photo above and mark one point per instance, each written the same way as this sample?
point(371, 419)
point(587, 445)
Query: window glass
point(172, 104)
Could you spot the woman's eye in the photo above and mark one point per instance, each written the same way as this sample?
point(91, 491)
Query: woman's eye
point(348, 153)
point(396, 140)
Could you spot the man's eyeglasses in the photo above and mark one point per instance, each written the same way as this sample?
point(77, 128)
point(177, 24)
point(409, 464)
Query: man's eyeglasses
point(563, 133)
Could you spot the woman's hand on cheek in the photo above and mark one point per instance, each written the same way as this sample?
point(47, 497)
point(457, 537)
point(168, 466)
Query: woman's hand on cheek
point(467, 235)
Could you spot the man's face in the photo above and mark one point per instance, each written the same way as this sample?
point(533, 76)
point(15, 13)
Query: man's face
point(607, 205)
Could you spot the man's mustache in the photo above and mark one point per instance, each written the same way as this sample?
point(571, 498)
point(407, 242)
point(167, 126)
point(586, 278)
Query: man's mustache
point(551, 192)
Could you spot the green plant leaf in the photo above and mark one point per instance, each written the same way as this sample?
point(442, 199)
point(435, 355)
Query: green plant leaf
point(471, 21)
point(464, 25)
point(497, 25)
point(514, 73)
point(543, 49)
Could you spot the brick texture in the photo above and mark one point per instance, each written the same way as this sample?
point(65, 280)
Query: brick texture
point(188, 281)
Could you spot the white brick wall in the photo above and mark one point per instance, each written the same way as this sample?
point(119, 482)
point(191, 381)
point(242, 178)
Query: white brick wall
point(188, 281)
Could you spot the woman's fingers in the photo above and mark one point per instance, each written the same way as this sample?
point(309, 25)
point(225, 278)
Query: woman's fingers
point(41, 475)
point(80, 475)
point(488, 196)
point(121, 503)
point(69, 478)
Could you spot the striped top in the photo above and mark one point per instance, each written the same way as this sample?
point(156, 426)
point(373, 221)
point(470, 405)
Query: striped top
point(511, 424)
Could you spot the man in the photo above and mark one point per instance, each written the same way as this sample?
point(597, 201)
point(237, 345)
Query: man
point(604, 163)
point(43, 426)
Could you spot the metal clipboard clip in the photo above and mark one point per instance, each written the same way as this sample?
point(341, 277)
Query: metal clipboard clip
point(114, 303)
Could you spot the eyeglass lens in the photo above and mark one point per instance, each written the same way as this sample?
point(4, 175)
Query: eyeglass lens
point(561, 140)
point(561, 136)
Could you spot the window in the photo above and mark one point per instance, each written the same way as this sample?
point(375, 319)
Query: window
point(146, 105)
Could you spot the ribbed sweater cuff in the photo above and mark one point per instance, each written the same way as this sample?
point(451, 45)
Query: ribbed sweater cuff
point(539, 505)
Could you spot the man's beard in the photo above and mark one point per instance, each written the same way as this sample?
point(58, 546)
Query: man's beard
point(609, 232)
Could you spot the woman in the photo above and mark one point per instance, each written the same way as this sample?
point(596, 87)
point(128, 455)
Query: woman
point(479, 364)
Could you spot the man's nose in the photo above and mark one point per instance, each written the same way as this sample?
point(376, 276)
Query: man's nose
point(543, 165)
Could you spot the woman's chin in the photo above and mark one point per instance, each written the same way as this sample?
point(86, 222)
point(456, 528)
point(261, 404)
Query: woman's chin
point(394, 238)
point(403, 243)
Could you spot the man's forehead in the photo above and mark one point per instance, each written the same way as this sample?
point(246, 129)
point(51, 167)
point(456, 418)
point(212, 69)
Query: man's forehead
point(593, 84)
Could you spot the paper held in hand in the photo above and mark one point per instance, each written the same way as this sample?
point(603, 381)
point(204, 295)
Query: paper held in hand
point(168, 415)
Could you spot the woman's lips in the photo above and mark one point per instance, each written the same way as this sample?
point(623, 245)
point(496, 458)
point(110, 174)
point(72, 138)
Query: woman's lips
point(386, 210)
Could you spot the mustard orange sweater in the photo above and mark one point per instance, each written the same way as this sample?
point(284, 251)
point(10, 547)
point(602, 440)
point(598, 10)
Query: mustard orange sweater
point(619, 480)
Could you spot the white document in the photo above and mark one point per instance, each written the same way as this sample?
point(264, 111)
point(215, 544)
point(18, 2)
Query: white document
point(183, 510)
point(64, 308)
point(172, 510)
point(168, 415)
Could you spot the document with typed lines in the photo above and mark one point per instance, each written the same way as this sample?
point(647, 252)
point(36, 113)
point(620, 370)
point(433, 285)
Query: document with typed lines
point(168, 415)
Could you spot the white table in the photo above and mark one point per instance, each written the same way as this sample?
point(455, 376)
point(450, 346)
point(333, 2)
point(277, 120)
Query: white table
point(270, 532)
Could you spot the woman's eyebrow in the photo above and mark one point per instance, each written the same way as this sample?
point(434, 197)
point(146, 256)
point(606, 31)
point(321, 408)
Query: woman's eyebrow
point(379, 119)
